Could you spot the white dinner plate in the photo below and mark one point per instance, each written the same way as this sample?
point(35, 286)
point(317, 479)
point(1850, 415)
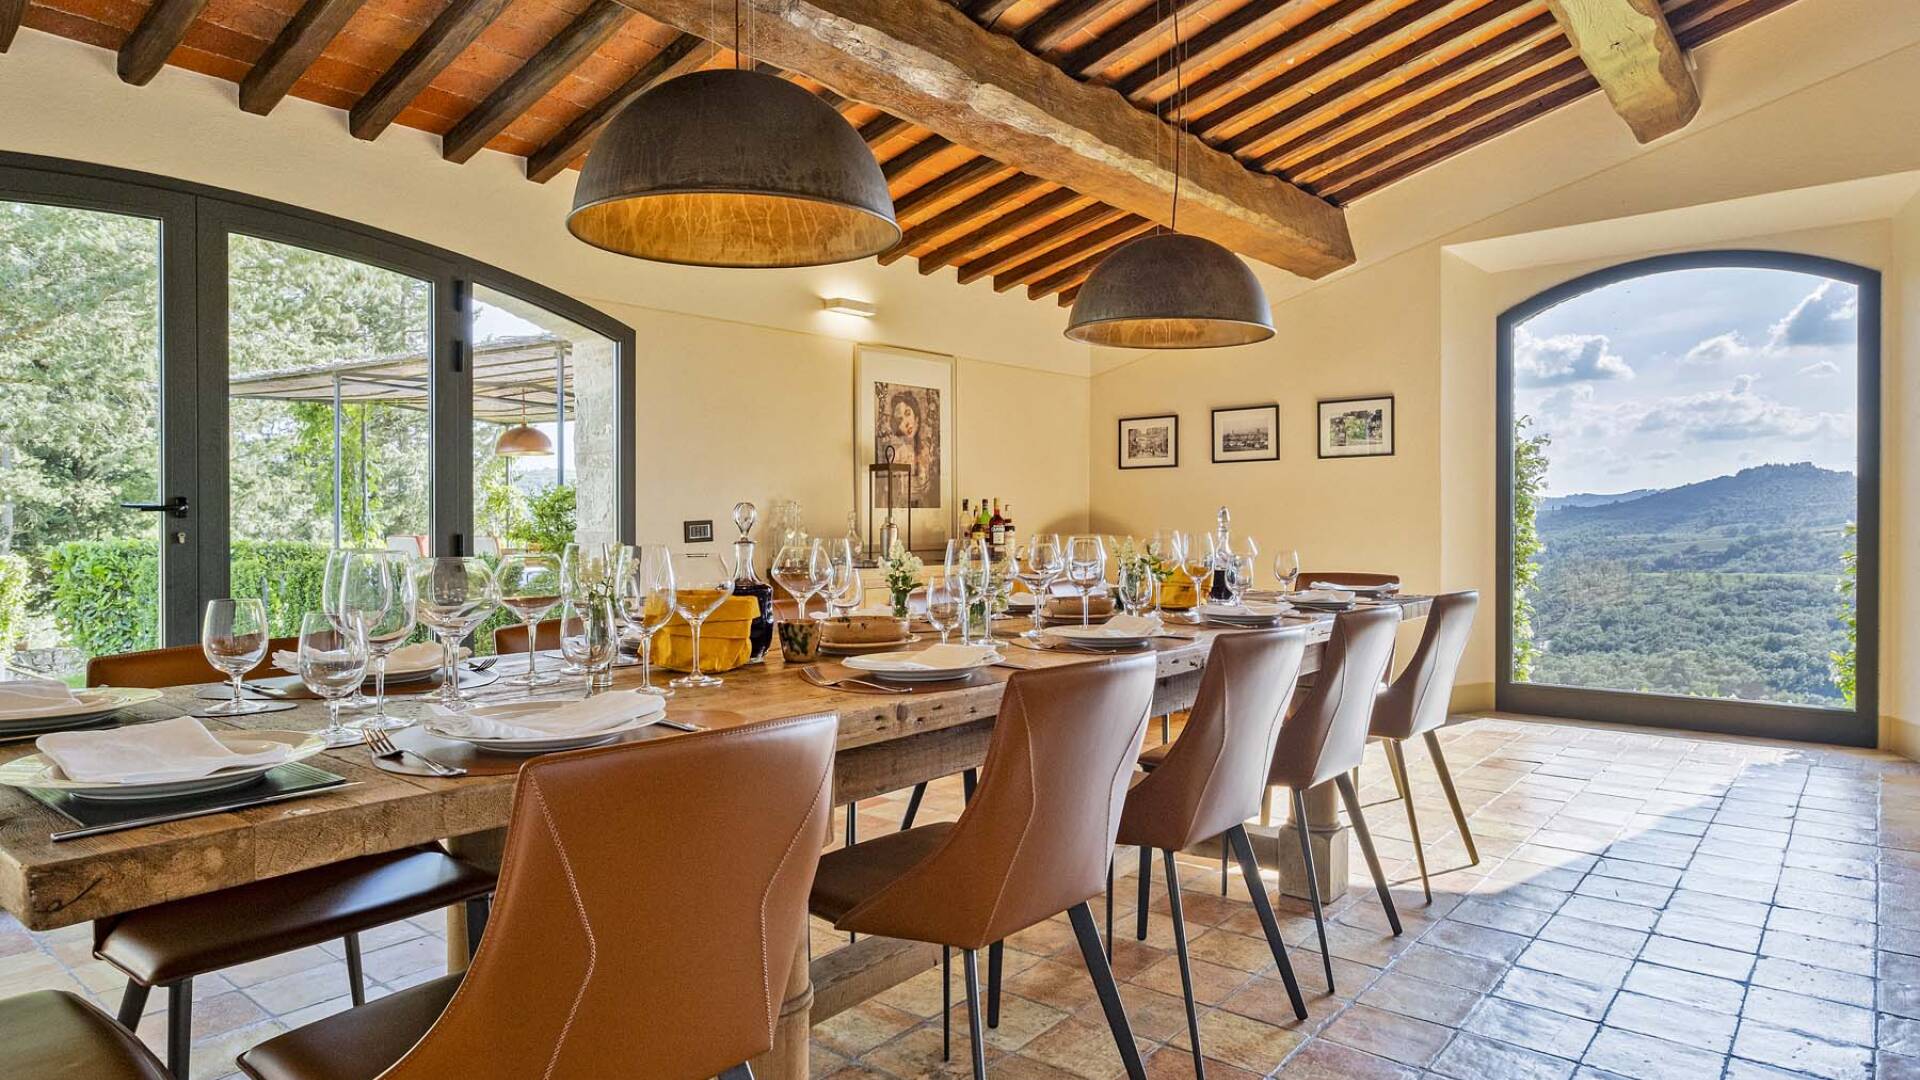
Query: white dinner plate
point(34, 771)
point(857, 648)
point(449, 727)
point(90, 704)
point(1098, 637)
point(1247, 614)
point(886, 666)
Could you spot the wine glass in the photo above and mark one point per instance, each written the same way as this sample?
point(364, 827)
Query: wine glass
point(585, 567)
point(530, 587)
point(1135, 586)
point(233, 635)
point(1086, 569)
point(705, 580)
point(588, 643)
point(333, 664)
point(387, 632)
point(456, 594)
point(803, 568)
point(352, 587)
point(944, 605)
point(844, 587)
point(1193, 565)
point(968, 565)
point(1286, 568)
point(647, 599)
point(1043, 565)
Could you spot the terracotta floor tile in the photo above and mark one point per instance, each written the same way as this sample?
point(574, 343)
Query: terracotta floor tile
point(1410, 996)
point(1321, 1059)
point(1641, 1057)
point(1673, 1021)
point(1389, 1035)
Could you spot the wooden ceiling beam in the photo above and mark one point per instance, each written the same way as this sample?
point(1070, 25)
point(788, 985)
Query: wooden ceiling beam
point(927, 63)
point(1207, 44)
point(683, 54)
point(945, 185)
point(896, 166)
point(588, 31)
point(1125, 37)
point(882, 128)
point(1097, 253)
point(145, 51)
point(11, 12)
point(953, 217)
point(298, 45)
point(986, 12)
point(1063, 254)
point(455, 28)
point(1022, 247)
point(1631, 50)
point(1060, 22)
point(998, 226)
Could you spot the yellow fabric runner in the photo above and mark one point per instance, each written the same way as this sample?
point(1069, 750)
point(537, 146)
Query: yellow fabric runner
point(725, 636)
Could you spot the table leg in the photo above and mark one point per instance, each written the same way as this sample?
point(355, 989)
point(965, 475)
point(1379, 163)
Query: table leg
point(1278, 847)
point(789, 1059)
point(481, 849)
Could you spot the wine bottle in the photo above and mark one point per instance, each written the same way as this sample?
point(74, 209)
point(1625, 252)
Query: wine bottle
point(1006, 528)
point(997, 528)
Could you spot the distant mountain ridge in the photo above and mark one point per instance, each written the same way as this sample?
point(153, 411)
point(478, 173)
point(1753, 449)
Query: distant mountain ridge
point(1586, 498)
point(1763, 496)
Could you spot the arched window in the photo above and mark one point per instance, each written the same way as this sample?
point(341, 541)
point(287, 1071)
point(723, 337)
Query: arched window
point(1688, 496)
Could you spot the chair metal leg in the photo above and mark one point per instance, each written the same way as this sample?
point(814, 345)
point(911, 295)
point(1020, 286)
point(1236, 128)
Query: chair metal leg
point(967, 958)
point(913, 805)
point(1352, 798)
point(133, 1002)
point(853, 815)
point(1166, 729)
point(356, 978)
point(969, 783)
point(1398, 756)
point(179, 1026)
point(1109, 938)
point(1250, 870)
point(1453, 797)
point(1313, 880)
point(1146, 893)
point(946, 1003)
point(478, 909)
point(996, 953)
point(1089, 938)
point(1186, 971)
point(738, 1072)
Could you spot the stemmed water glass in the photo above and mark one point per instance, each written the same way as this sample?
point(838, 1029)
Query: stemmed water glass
point(647, 599)
point(1286, 568)
point(1239, 578)
point(1042, 566)
point(350, 588)
point(844, 587)
point(588, 643)
point(1086, 569)
point(456, 594)
point(233, 635)
point(1135, 586)
point(381, 572)
point(705, 580)
point(1192, 565)
point(945, 603)
point(1222, 556)
point(530, 588)
point(584, 567)
point(968, 565)
point(803, 568)
point(333, 664)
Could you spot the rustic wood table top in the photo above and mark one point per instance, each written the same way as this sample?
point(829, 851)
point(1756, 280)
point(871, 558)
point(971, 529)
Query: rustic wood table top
point(46, 884)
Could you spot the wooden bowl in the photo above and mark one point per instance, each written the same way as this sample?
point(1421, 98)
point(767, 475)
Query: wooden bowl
point(863, 630)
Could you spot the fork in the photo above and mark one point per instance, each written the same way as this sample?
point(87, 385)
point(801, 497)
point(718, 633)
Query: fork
point(380, 745)
point(815, 676)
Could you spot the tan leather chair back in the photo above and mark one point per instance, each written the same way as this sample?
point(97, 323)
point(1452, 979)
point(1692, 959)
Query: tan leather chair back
point(1328, 735)
point(1417, 701)
point(652, 898)
point(1212, 778)
point(179, 665)
point(1036, 839)
point(513, 639)
point(1346, 577)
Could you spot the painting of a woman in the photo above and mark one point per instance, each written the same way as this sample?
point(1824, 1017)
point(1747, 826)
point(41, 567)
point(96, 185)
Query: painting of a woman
point(907, 421)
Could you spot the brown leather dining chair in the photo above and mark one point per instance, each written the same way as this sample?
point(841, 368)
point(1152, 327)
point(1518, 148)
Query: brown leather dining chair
point(1345, 577)
point(1036, 840)
point(511, 639)
point(1327, 736)
point(1209, 782)
point(1416, 704)
point(168, 945)
point(653, 897)
point(55, 1035)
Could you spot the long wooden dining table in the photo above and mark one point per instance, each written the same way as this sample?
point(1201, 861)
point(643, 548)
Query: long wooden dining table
point(887, 742)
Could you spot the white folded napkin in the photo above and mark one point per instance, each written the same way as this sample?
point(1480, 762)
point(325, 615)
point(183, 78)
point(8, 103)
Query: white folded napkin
point(1324, 596)
point(938, 658)
point(176, 749)
point(1120, 626)
point(585, 716)
point(1254, 610)
point(1334, 586)
point(32, 696)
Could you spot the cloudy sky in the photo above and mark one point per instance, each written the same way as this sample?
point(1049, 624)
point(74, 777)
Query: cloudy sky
point(1688, 375)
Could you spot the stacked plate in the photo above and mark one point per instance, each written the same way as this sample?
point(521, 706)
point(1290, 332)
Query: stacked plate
point(924, 665)
point(1322, 599)
point(35, 771)
point(1249, 613)
point(88, 707)
point(526, 716)
point(1100, 637)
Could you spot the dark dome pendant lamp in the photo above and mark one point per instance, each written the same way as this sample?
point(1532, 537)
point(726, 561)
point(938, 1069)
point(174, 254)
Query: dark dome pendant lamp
point(734, 168)
point(1169, 291)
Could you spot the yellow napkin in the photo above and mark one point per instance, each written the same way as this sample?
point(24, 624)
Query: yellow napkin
point(1176, 593)
point(725, 641)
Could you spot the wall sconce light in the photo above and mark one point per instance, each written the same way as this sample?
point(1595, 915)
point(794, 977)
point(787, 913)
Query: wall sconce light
point(841, 305)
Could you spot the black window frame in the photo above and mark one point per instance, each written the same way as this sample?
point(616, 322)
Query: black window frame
point(1856, 727)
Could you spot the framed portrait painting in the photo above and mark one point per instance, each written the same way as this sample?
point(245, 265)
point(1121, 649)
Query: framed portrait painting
point(903, 412)
point(1357, 427)
point(1149, 442)
point(1246, 433)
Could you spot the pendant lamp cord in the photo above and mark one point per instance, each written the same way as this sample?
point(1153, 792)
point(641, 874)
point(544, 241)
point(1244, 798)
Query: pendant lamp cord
point(1180, 98)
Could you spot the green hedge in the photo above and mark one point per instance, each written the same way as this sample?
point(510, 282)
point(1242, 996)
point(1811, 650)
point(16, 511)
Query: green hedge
point(105, 593)
point(13, 600)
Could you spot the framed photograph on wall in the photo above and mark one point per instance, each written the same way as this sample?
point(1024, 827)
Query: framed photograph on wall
point(1246, 433)
point(1357, 427)
point(1149, 442)
point(903, 402)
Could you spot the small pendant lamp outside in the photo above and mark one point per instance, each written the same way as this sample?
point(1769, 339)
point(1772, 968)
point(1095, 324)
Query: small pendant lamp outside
point(1167, 290)
point(733, 168)
point(521, 440)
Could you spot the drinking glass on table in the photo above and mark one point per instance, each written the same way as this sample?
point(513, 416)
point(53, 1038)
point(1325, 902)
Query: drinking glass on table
point(233, 635)
point(1286, 568)
point(1239, 578)
point(648, 597)
point(803, 568)
point(530, 588)
point(704, 581)
point(588, 641)
point(968, 566)
point(944, 605)
point(584, 567)
point(1086, 569)
point(1135, 587)
point(1042, 565)
point(351, 587)
point(844, 587)
point(456, 594)
point(333, 663)
point(387, 632)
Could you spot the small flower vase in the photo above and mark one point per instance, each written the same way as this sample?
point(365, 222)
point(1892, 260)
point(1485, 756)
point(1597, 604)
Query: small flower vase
point(900, 610)
point(603, 643)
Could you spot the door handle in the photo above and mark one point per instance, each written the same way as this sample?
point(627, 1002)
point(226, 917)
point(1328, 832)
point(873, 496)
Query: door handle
point(174, 507)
